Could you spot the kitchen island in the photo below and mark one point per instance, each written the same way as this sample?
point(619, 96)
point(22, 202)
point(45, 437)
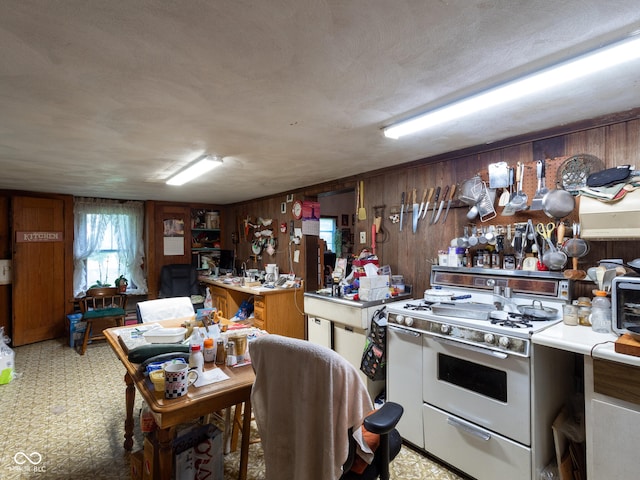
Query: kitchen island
point(277, 310)
point(611, 395)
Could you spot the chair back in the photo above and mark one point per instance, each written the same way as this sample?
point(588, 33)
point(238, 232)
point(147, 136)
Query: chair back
point(102, 298)
point(179, 280)
point(305, 398)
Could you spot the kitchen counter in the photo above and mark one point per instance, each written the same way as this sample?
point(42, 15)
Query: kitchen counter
point(583, 340)
point(357, 303)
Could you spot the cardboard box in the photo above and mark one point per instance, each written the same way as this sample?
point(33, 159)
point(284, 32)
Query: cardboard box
point(381, 281)
point(372, 294)
point(148, 459)
point(135, 464)
point(198, 453)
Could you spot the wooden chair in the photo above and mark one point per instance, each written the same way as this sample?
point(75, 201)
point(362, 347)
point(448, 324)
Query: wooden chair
point(101, 308)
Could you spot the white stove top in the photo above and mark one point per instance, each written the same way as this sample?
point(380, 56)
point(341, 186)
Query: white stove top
point(515, 325)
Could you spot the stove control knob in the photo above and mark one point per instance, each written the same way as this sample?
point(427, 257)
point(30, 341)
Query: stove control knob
point(489, 338)
point(503, 342)
point(408, 321)
point(400, 319)
point(445, 329)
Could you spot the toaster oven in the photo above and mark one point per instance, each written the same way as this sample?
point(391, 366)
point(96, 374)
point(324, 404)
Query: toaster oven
point(625, 302)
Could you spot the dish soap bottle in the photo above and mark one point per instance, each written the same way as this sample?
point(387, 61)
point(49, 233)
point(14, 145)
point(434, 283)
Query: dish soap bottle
point(601, 313)
point(196, 359)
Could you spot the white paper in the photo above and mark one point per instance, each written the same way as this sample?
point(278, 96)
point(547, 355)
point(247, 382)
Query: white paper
point(210, 376)
point(174, 245)
point(371, 270)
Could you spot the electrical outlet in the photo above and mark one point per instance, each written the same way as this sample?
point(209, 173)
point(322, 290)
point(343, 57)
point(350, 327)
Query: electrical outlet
point(363, 237)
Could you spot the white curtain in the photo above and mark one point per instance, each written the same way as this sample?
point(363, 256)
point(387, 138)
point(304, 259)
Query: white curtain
point(92, 217)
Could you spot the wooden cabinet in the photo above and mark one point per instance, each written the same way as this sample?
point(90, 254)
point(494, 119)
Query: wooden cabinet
point(276, 310)
point(205, 236)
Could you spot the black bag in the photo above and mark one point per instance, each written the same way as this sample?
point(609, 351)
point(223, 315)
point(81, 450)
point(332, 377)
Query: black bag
point(373, 359)
point(609, 176)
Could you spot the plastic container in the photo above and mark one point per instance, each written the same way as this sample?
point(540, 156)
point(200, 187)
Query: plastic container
point(196, 359)
point(601, 313)
point(209, 350)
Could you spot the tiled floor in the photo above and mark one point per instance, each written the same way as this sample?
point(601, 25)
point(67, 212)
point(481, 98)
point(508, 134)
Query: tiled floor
point(66, 413)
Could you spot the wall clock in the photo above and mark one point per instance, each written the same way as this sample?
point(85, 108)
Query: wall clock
point(296, 209)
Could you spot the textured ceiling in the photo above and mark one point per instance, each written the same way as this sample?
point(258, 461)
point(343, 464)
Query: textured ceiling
point(108, 98)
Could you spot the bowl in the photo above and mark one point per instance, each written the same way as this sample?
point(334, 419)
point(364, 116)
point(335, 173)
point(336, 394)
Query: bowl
point(165, 335)
point(634, 331)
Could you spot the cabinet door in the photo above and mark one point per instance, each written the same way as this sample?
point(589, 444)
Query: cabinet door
point(38, 269)
point(259, 312)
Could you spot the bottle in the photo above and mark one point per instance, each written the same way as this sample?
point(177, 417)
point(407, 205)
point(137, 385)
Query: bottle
point(209, 350)
point(601, 313)
point(196, 359)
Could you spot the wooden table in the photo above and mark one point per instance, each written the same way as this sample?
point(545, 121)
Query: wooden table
point(168, 413)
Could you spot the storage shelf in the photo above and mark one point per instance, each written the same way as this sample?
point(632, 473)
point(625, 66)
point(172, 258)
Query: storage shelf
point(205, 229)
point(205, 249)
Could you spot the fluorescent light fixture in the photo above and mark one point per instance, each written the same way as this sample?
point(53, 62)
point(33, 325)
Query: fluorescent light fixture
point(571, 70)
point(199, 167)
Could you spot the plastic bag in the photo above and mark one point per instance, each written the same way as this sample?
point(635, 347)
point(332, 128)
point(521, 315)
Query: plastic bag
point(7, 359)
point(373, 362)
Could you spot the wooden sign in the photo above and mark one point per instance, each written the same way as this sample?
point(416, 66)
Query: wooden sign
point(32, 237)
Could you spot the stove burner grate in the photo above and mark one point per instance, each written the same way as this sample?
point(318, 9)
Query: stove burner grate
point(424, 305)
point(515, 320)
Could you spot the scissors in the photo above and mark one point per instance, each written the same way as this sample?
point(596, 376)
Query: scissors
point(546, 230)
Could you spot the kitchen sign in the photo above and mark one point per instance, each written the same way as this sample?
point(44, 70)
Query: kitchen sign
point(33, 237)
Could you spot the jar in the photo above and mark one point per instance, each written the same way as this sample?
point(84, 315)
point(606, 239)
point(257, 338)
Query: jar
point(584, 311)
point(486, 259)
point(601, 313)
point(495, 260)
point(570, 314)
point(509, 262)
point(209, 350)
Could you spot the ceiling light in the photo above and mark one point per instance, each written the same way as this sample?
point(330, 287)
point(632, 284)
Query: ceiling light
point(197, 168)
point(595, 61)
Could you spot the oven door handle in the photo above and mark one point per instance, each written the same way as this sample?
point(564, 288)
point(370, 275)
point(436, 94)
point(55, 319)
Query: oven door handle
point(470, 429)
point(473, 348)
point(403, 331)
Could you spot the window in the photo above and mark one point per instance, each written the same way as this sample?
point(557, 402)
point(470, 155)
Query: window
point(108, 243)
point(329, 233)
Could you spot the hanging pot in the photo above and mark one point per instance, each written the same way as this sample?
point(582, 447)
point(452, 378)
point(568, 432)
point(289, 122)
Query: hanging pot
point(558, 203)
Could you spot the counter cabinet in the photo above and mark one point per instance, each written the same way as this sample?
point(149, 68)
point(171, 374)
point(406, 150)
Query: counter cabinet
point(278, 310)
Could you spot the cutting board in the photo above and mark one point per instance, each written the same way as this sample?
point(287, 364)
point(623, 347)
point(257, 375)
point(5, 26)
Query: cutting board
point(627, 345)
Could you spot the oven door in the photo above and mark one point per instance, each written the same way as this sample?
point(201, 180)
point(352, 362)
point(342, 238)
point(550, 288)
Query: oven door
point(625, 303)
point(490, 389)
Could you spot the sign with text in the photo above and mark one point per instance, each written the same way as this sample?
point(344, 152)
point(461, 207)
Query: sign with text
point(31, 237)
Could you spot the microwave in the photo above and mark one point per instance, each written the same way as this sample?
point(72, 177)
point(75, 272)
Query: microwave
point(625, 302)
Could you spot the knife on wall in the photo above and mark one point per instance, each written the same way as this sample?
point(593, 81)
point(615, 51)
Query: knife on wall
point(424, 197)
point(426, 207)
point(401, 210)
point(414, 214)
point(435, 205)
point(444, 197)
point(453, 193)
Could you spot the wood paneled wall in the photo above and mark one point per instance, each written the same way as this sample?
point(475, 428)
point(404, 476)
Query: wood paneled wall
point(614, 142)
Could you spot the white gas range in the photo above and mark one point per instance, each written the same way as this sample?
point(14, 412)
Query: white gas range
point(464, 369)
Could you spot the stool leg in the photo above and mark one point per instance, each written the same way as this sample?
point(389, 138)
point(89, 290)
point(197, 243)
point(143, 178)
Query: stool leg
point(85, 339)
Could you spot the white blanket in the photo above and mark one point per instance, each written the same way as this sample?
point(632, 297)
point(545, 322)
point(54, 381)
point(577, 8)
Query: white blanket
point(305, 399)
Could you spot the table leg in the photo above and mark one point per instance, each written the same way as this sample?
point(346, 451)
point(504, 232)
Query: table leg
point(165, 453)
point(244, 446)
point(130, 394)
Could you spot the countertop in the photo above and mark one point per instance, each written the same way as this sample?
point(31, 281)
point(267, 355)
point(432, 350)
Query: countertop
point(357, 303)
point(583, 340)
point(260, 289)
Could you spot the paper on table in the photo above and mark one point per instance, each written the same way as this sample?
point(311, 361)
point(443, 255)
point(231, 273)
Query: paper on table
point(371, 270)
point(210, 376)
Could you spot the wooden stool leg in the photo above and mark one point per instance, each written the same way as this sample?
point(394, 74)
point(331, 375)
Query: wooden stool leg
point(237, 424)
point(85, 339)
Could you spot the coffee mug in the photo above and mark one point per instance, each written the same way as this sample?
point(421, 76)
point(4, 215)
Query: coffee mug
point(177, 379)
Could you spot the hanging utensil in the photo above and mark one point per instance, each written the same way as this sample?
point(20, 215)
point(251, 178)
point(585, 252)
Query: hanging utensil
point(401, 210)
point(552, 258)
point(506, 192)
point(362, 212)
point(536, 203)
point(558, 203)
point(498, 175)
point(519, 201)
point(575, 248)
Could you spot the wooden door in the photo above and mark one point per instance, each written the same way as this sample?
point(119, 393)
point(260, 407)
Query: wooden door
point(38, 269)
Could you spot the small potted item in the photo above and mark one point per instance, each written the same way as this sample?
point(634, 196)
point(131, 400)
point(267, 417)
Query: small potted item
point(122, 283)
